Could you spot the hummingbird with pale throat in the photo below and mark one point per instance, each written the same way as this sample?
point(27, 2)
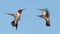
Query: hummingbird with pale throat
point(45, 15)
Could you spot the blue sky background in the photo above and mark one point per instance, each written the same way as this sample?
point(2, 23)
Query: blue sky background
point(30, 23)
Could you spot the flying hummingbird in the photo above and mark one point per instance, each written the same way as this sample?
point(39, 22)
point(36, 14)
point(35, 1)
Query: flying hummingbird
point(45, 15)
point(17, 17)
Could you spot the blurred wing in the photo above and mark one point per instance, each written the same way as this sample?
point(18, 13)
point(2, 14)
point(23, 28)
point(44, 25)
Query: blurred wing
point(10, 14)
point(40, 16)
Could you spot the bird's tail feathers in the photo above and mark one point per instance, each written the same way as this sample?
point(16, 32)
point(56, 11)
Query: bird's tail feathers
point(14, 25)
point(47, 24)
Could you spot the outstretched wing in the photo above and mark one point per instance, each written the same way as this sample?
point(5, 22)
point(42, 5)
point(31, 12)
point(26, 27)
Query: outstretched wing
point(40, 16)
point(11, 14)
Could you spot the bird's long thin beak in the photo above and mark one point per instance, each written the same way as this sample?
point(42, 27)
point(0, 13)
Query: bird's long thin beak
point(39, 9)
point(23, 9)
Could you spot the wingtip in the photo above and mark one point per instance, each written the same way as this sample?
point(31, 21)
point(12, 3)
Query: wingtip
point(40, 16)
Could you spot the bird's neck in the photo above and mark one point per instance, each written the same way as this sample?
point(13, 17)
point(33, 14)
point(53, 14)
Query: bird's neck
point(18, 14)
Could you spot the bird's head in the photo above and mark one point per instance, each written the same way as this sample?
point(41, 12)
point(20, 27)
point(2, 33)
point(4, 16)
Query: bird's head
point(20, 11)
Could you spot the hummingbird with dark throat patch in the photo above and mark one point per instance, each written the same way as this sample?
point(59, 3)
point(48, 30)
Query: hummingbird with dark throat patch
point(17, 17)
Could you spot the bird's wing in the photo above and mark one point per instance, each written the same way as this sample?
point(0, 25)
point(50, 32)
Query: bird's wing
point(11, 14)
point(40, 16)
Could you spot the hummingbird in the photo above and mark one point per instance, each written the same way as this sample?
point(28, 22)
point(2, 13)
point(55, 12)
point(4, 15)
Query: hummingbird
point(45, 15)
point(17, 17)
